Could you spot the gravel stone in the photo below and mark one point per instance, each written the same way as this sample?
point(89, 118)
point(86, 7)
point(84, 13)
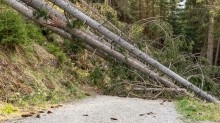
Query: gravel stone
point(109, 109)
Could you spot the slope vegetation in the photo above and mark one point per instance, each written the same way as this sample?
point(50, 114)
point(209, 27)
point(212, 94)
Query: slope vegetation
point(34, 70)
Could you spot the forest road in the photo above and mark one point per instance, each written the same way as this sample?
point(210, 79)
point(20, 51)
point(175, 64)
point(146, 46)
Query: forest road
point(108, 109)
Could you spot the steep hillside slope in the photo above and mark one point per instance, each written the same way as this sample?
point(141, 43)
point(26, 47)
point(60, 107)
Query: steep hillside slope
point(34, 78)
point(34, 70)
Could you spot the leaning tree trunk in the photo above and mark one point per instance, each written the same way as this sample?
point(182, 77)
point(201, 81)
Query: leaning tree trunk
point(78, 14)
point(124, 36)
point(135, 64)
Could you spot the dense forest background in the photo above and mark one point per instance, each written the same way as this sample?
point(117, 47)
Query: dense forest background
point(195, 20)
point(183, 35)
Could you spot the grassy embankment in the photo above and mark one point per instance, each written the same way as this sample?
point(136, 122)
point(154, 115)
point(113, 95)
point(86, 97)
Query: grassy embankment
point(35, 71)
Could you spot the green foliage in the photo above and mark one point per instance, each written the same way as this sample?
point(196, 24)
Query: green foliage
point(12, 29)
point(41, 97)
point(81, 75)
point(198, 111)
point(118, 72)
point(74, 90)
point(8, 109)
point(55, 96)
point(109, 15)
point(193, 23)
point(174, 54)
point(97, 76)
point(198, 70)
point(161, 28)
point(76, 47)
point(73, 1)
point(56, 51)
point(74, 24)
point(34, 33)
point(135, 31)
point(81, 96)
point(106, 10)
point(37, 98)
point(53, 49)
point(39, 13)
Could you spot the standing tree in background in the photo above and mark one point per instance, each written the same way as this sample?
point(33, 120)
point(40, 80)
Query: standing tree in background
point(210, 44)
point(194, 19)
point(198, 22)
point(213, 15)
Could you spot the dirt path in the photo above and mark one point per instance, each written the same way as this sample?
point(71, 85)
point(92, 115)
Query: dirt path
point(109, 109)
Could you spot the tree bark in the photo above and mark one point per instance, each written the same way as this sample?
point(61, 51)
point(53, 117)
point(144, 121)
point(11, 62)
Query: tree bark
point(217, 53)
point(140, 9)
point(153, 8)
point(38, 4)
point(160, 89)
point(210, 40)
point(90, 40)
point(147, 9)
point(106, 21)
point(76, 13)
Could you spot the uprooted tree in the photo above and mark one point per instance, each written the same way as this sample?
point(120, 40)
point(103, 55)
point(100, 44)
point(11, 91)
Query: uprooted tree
point(56, 22)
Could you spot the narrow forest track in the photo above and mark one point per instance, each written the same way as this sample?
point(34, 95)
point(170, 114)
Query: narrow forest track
point(108, 109)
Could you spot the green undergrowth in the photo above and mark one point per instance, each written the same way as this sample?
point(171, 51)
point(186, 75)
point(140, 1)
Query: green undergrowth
point(193, 110)
point(35, 68)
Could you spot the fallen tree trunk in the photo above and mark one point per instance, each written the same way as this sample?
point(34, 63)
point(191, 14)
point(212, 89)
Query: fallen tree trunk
point(38, 3)
point(78, 14)
point(106, 21)
point(92, 41)
point(160, 89)
point(139, 66)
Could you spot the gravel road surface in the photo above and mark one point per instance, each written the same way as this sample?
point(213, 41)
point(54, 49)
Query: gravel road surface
point(108, 109)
